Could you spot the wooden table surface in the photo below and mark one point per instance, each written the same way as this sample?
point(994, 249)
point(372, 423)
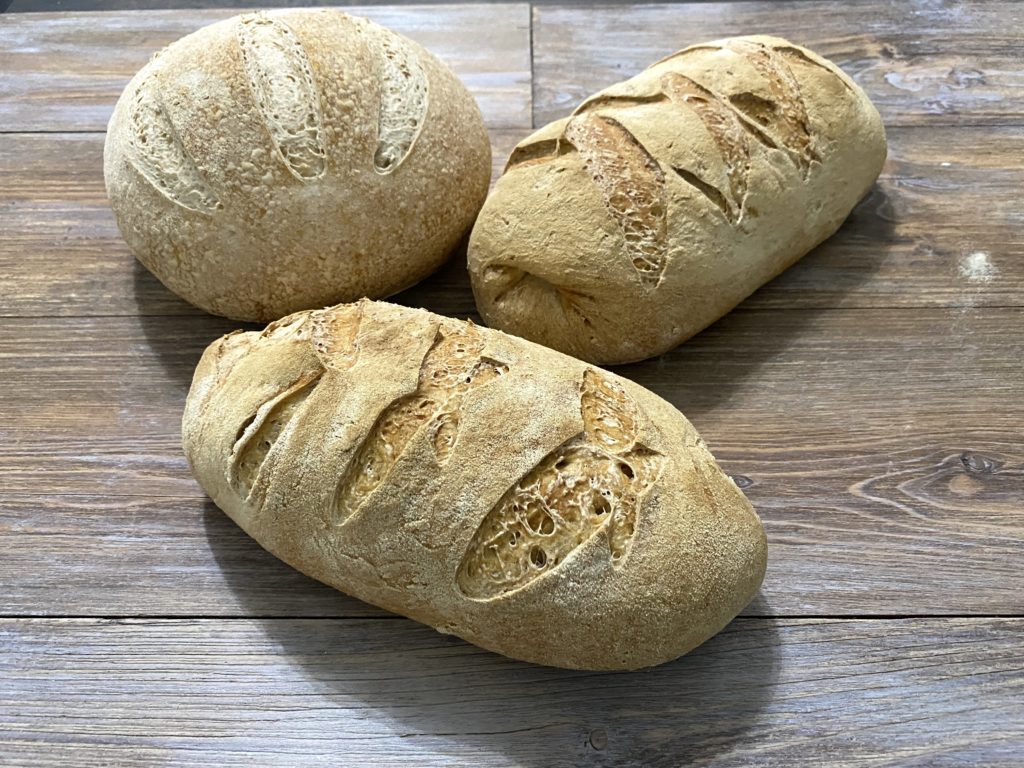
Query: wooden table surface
point(870, 401)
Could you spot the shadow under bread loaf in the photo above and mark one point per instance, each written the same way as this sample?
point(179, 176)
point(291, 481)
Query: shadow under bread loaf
point(482, 484)
point(278, 161)
point(665, 200)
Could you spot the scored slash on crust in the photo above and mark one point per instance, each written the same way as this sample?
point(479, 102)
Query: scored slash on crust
point(283, 88)
point(632, 185)
point(594, 482)
point(452, 366)
point(261, 432)
point(156, 152)
point(616, 159)
point(404, 90)
point(789, 121)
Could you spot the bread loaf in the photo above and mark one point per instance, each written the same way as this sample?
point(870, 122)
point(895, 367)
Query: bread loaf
point(665, 200)
point(278, 161)
point(490, 487)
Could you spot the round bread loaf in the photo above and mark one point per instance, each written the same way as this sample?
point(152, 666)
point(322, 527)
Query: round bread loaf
point(665, 200)
point(490, 487)
point(278, 161)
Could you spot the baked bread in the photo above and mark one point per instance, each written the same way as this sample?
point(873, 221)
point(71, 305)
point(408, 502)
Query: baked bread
point(490, 487)
point(665, 200)
point(279, 161)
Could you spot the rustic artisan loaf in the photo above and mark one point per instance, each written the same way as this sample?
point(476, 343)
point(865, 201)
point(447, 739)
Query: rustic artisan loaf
point(279, 161)
point(665, 200)
point(490, 487)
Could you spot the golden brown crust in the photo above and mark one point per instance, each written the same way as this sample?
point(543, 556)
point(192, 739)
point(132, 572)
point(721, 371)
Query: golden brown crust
point(667, 199)
point(487, 486)
point(279, 161)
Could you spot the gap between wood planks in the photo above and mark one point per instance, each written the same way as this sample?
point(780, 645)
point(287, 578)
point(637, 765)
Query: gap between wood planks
point(397, 617)
point(740, 309)
point(527, 130)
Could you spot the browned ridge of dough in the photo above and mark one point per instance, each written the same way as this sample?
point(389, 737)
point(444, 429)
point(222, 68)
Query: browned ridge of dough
point(633, 186)
point(283, 88)
point(259, 433)
point(711, 192)
point(451, 367)
point(594, 482)
point(726, 130)
point(536, 152)
point(788, 120)
point(617, 101)
point(751, 111)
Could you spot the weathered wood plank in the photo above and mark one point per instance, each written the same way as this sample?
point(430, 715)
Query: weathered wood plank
point(54, 207)
point(103, 556)
point(831, 382)
point(920, 239)
point(250, 692)
point(48, 6)
point(82, 555)
point(882, 448)
point(923, 62)
point(63, 72)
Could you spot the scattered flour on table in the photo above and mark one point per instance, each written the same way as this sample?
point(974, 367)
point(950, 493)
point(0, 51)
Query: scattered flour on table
point(977, 268)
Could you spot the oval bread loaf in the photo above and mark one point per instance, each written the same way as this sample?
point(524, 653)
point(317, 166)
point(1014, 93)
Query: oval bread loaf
point(278, 161)
point(665, 200)
point(490, 487)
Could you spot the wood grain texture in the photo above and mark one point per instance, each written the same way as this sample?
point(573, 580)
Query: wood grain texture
point(250, 692)
point(53, 205)
point(147, 556)
point(866, 381)
point(882, 449)
point(64, 6)
point(98, 555)
point(913, 242)
point(945, 62)
point(64, 72)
